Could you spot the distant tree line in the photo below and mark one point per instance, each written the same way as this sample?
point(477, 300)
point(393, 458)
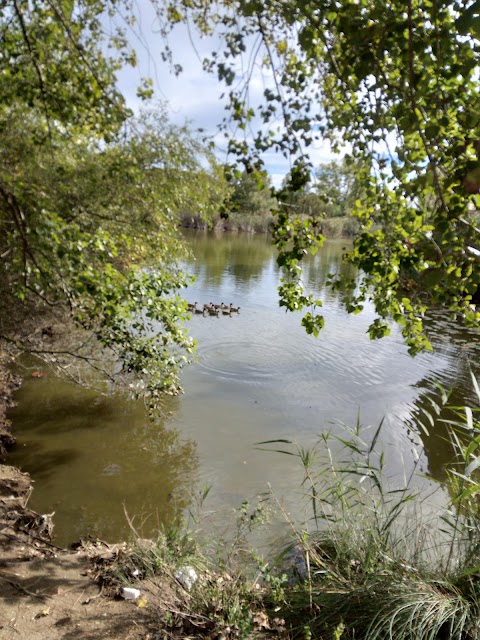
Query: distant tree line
point(331, 193)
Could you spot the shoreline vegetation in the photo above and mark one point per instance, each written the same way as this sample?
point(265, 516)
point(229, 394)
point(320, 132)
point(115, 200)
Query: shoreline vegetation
point(91, 197)
point(353, 571)
point(331, 228)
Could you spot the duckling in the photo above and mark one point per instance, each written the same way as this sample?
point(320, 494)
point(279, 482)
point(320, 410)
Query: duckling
point(234, 309)
point(214, 312)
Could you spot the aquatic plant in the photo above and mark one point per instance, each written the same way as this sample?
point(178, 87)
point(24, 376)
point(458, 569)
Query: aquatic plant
point(375, 559)
point(378, 560)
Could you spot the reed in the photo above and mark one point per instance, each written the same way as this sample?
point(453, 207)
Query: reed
point(339, 227)
point(370, 562)
point(375, 566)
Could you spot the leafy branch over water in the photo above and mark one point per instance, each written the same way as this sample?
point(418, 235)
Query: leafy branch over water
point(393, 87)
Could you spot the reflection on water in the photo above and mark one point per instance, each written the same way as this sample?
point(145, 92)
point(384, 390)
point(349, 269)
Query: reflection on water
point(460, 347)
point(220, 257)
point(258, 377)
point(263, 371)
point(92, 457)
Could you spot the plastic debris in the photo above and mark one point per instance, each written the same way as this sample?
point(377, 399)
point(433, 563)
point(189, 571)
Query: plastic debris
point(129, 593)
point(187, 576)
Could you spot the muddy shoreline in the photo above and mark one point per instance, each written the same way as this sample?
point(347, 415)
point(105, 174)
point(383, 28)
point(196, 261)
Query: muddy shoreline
point(9, 383)
point(49, 593)
point(15, 486)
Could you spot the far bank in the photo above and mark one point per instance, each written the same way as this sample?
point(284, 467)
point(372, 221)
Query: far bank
point(331, 228)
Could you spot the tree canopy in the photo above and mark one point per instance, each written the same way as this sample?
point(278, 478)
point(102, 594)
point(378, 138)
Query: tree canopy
point(251, 194)
point(89, 195)
point(331, 191)
point(89, 198)
point(394, 86)
point(337, 185)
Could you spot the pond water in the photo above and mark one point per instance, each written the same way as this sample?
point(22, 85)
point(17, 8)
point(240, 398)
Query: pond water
point(258, 377)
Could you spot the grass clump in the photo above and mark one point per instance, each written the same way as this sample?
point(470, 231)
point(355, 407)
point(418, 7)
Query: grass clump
point(374, 561)
point(376, 566)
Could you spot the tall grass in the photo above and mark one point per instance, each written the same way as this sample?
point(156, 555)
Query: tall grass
point(246, 223)
point(340, 227)
point(376, 565)
point(371, 562)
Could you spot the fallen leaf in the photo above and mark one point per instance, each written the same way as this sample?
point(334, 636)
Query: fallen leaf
point(260, 619)
point(42, 613)
point(278, 624)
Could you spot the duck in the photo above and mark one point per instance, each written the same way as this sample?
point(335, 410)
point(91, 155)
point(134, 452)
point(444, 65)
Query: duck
point(234, 309)
point(200, 311)
point(192, 307)
point(226, 311)
point(214, 312)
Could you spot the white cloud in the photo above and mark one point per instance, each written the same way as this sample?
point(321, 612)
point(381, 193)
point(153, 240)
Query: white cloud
point(277, 179)
point(194, 96)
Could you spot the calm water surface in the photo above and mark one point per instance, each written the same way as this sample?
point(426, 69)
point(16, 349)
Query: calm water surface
point(258, 377)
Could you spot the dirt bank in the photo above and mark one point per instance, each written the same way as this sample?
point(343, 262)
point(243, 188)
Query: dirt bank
point(49, 593)
point(8, 384)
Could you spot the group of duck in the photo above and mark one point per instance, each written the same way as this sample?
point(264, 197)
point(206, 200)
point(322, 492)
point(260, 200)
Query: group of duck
point(211, 309)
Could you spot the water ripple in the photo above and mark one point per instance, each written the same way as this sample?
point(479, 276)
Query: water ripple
point(246, 361)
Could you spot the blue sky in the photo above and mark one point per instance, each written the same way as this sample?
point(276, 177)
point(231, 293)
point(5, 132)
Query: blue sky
point(194, 96)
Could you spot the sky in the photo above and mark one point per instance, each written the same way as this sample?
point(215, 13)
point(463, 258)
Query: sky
point(194, 96)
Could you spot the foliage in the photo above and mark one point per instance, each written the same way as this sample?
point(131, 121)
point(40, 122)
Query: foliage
point(251, 195)
point(331, 192)
point(302, 201)
point(83, 223)
point(395, 84)
point(89, 198)
point(341, 227)
point(53, 61)
point(336, 185)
